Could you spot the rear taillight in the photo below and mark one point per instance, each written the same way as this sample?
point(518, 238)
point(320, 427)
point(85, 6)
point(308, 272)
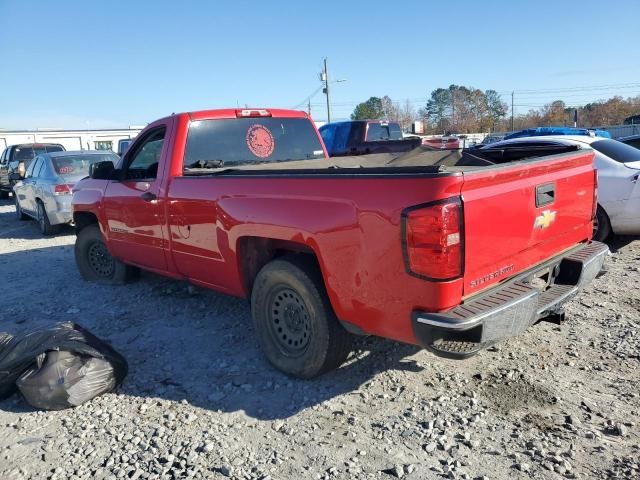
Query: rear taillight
point(434, 240)
point(62, 189)
point(594, 208)
point(247, 112)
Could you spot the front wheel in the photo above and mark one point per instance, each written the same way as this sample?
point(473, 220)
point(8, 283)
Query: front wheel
point(295, 323)
point(95, 262)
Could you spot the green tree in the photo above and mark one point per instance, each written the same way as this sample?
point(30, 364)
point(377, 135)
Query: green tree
point(463, 109)
point(496, 108)
point(438, 108)
point(369, 110)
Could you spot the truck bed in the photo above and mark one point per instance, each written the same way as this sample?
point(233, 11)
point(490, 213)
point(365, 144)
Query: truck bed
point(353, 225)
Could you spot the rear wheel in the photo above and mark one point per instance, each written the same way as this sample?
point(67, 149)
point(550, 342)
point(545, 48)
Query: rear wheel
point(43, 220)
point(19, 213)
point(4, 194)
point(296, 326)
point(601, 225)
point(96, 263)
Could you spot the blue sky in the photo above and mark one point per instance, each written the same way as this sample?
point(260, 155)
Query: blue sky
point(72, 63)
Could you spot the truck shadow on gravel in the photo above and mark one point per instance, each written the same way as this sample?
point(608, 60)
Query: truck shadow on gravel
point(619, 241)
point(181, 343)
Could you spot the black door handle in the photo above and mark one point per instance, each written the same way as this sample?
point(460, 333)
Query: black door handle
point(148, 196)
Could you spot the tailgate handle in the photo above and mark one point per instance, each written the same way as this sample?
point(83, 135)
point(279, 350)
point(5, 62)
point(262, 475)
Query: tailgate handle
point(545, 194)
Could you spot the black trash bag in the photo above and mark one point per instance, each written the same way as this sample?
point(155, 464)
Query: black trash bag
point(59, 367)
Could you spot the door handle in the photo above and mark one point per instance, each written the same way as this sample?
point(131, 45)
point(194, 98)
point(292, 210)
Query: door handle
point(148, 196)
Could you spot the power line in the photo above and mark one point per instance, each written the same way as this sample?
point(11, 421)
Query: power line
point(308, 98)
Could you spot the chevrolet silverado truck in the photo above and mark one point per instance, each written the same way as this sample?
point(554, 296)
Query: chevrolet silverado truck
point(365, 137)
point(446, 250)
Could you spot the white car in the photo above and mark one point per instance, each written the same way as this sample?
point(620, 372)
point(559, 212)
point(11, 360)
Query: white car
point(618, 168)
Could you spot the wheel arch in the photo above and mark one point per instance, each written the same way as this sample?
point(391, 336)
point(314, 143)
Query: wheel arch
point(83, 220)
point(253, 253)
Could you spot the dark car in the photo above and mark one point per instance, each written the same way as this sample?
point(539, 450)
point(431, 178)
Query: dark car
point(633, 140)
point(363, 137)
point(15, 155)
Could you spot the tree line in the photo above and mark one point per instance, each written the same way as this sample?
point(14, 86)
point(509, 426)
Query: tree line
point(460, 109)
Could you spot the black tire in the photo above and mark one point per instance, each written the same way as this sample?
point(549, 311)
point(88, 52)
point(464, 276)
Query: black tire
point(4, 194)
point(96, 263)
point(43, 221)
point(20, 215)
point(601, 225)
point(295, 323)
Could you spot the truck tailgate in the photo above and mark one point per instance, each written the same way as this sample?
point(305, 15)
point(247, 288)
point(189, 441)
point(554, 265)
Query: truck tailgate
point(520, 214)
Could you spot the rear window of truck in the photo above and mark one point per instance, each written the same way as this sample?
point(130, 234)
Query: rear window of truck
point(379, 131)
point(24, 153)
point(243, 141)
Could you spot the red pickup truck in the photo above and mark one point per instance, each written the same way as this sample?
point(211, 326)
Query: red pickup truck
point(446, 250)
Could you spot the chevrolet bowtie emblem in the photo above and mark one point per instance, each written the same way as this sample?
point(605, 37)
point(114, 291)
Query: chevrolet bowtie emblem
point(545, 219)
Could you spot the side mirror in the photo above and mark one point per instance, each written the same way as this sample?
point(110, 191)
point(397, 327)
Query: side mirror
point(102, 170)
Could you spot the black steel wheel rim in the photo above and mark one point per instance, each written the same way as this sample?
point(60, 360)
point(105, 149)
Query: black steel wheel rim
point(101, 260)
point(289, 322)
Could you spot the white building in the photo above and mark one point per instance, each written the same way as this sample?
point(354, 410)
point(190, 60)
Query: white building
point(70, 139)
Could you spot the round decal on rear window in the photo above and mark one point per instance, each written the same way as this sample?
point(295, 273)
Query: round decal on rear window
point(260, 141)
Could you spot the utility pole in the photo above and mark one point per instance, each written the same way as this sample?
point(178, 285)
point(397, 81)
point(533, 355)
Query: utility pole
point(324, 76)
point(512, 93)
point(309, 107)
point(453, 108)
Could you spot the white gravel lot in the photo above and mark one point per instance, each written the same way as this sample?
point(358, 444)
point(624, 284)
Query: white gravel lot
point(201, 402)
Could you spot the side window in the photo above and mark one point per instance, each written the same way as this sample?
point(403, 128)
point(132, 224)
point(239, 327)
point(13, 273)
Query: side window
point(34, 163)
point(143, 162)
point(3, 156)
point(39, 170)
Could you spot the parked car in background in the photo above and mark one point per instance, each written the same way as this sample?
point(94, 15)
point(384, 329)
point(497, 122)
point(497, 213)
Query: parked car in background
point(363, 137)
point(633, 140)
point(15, 155)
point(442, 143)
point(45, 192)
point(546, 131)
point(618, 166)
point(447, 251)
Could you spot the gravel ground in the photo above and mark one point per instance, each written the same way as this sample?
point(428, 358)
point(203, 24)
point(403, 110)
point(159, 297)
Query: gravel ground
point(201, 402)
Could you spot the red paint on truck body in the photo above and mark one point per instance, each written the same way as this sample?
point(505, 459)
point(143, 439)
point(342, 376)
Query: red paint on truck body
point(352, 223)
